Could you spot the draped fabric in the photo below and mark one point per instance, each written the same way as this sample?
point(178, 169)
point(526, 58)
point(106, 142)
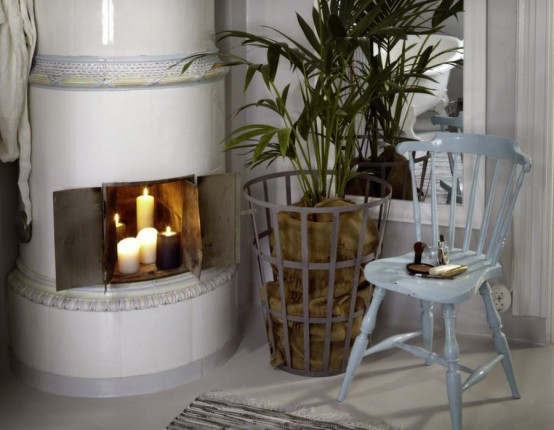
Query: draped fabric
point(17, 46)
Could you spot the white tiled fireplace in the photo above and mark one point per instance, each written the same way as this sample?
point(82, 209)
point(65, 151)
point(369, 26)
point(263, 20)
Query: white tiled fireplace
point(108, 107)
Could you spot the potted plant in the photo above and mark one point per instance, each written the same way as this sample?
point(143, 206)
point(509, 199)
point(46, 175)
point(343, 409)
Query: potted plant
point(311, 245)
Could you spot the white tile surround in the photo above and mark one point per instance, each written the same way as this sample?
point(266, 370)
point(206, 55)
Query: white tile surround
point(94, 344)
point(133, 27)
point(130, 338)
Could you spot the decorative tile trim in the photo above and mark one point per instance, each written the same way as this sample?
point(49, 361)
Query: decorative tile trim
point(120, 297)
point(109, 73)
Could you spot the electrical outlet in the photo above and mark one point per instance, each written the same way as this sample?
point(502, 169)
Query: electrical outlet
point(501, 297)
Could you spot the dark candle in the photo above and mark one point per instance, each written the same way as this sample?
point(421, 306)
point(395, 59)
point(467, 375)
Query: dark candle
point(168, 250)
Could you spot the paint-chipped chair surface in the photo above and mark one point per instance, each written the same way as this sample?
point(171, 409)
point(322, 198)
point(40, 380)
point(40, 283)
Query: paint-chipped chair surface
point(479, 249)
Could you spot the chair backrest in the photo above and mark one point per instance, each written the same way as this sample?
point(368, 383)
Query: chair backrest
point(505, 167)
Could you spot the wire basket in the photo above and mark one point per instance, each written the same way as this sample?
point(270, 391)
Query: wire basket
point(310, 262)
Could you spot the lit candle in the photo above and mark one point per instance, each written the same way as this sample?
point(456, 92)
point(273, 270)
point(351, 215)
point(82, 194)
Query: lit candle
point(145, 210)
point(128, 255)
point(168, 253)
point(120, 229)
point(148, 238)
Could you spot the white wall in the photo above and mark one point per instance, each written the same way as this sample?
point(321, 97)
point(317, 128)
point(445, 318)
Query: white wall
point(501, 121)
point(232, 14)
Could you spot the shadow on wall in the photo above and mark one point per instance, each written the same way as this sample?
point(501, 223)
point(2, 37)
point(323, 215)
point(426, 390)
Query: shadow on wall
point(9, 248)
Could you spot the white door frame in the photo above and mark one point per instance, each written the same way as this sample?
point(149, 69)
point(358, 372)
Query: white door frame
point(534, 220)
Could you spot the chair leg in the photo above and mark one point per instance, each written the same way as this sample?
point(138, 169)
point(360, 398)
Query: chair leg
point(453, 377)
point(426, 318)
point(360, 344)
point(499, 338)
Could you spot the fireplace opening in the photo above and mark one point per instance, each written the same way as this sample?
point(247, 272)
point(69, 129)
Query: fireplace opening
point(144, 229)
point(140, 231)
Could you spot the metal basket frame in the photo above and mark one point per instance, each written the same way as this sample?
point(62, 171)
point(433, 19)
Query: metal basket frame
point(267, 196)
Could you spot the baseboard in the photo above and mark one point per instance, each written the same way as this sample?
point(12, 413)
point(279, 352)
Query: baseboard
point(118, 387)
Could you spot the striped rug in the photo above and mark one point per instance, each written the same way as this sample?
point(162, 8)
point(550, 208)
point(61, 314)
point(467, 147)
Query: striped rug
point(220, 411)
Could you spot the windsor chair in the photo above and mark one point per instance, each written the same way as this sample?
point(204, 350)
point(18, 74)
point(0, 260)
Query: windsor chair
point(478, 249)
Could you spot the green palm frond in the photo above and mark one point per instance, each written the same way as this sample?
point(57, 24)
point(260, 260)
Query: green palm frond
point(339, 77)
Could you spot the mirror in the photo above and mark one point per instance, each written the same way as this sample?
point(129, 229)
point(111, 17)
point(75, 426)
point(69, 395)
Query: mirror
point(440, 111)
point(473, 87)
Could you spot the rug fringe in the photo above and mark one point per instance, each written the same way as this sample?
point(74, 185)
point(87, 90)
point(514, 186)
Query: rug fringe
point(308, 412)
point(235, 398)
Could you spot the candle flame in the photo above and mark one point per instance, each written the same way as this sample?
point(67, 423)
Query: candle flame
point(145, 191)
point(168, 230)
point(116, 218)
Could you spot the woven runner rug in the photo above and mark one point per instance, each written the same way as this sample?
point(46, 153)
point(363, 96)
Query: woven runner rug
point(222, 411)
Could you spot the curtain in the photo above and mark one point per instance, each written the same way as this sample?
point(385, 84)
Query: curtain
point(17, 46)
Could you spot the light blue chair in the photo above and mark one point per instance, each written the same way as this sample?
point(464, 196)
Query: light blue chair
point(478, 249)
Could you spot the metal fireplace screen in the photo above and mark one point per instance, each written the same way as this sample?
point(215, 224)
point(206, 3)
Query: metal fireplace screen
point(204, 211)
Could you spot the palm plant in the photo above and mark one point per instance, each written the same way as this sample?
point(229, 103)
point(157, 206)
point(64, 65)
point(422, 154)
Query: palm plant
point(340, 79)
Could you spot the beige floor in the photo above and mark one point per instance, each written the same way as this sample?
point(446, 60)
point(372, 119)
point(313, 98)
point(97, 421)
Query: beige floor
point(391, 386)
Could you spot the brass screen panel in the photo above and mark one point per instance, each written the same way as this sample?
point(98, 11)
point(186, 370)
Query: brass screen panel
point(110, 234)
point(220, 215)
point(78, 215)
point(192, 240)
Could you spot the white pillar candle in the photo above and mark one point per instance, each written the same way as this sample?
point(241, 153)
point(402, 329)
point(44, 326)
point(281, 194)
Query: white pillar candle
point(148, 238)
point(128, 255)
point(145, 210)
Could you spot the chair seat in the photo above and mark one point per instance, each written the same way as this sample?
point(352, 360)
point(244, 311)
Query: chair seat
point(391, 274)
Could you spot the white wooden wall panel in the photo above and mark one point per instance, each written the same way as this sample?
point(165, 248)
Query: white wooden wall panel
point(533, 221)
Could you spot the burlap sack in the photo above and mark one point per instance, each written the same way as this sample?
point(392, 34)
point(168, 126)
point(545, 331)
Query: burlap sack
point(319, 250)
point(341, 307)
